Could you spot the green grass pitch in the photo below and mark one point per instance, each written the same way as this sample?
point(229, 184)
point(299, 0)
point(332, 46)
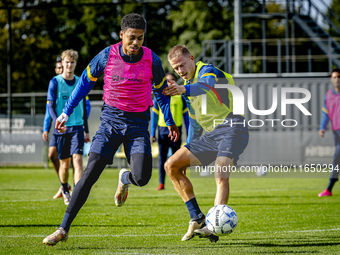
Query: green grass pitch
point(276, 216)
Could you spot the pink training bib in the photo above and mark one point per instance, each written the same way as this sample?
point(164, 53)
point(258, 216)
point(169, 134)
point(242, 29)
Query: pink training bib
point(128, 86)
point(333, 107)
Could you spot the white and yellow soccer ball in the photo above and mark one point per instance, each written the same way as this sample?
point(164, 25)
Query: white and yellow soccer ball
point(221, 220)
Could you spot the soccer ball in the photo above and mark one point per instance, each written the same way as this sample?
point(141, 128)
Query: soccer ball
point(261, 171)
point(221, 220)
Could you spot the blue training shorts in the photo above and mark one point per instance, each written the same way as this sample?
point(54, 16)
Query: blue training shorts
point(53, 141)
point(119, 127)
point(70, 143)
point(224, 140)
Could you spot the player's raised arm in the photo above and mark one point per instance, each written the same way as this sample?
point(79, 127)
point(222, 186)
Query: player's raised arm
point(90, 75)
point(201, 86)
point(160, 82)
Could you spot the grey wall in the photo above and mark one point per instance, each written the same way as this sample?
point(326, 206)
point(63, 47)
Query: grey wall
point(280, 145)
point(275, 145)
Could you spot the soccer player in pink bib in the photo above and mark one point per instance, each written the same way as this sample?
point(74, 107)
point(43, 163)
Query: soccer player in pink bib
point(131, 73)
point(331, 112)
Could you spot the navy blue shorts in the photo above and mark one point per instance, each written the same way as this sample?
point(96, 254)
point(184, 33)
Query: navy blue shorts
point(70, 143)
point(119, 127)
point(224, 140)
point(53, 141)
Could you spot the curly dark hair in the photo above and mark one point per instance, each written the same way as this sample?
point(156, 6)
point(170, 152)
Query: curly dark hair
point(132, 20)
point(336, 70)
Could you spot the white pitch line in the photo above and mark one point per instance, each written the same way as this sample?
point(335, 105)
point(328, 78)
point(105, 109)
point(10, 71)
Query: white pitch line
point(93, 235)
point(295, 231)
point(44, 200)
point(15, 201)
point(156, 195)
point(261, 232)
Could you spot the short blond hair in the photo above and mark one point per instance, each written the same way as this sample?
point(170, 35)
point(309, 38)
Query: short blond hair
point(176, 51)
point(70, 53)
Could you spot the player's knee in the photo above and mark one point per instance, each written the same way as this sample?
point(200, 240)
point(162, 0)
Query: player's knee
point(224, 161)
point(169, 166)
point(53, 157)
point(52, 153)
point(141, 168)
point(142, 179)
point(77, 159)
point(65, 164)
point(166, 166)
point(144, 175)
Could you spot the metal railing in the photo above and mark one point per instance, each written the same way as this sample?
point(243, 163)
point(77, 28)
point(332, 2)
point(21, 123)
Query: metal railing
point(306, 60)
point(33, 103)
point(307, 7)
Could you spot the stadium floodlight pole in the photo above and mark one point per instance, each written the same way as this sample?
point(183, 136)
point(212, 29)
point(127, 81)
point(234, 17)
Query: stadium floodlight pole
point(9, 70)
point(145, 10)
point(237, 34)
point(264, 52)
point(287, 36)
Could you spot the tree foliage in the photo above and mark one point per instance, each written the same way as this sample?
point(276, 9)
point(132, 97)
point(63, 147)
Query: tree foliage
point(196, 21)
point(335, 7)
point(40, 34)
point(43, 32)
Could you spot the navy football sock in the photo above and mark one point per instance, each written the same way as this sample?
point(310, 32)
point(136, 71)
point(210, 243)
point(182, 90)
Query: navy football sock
point(64, 223)
point(194, 209)
point(65, 187)
point(331, 184)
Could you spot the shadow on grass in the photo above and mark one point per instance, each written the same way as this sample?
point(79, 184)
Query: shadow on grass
point(208, 249)
point(285, 252)
point(20, 189)
point(288, 203)
point(295, 245)
point(270, 245)
point(82, 225)
point(287, 239)
point(83, 248)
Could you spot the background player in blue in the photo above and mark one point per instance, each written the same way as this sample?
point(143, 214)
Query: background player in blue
point(69, 143)
point(52, 150)
point(129, 71)
point(179, 111)
point(221, 143)
point(331, 112)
